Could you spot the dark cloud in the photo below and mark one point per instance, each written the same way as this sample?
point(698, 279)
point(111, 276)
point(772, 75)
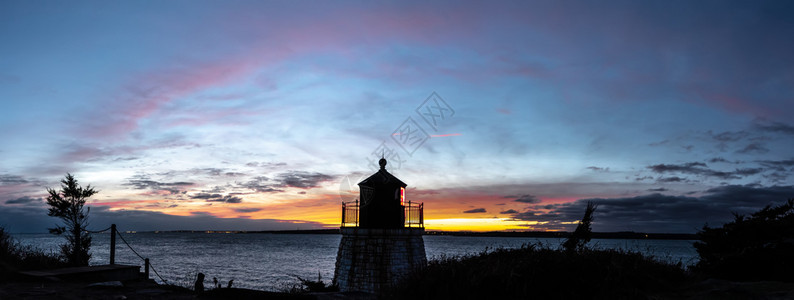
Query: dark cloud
point(718, 159)
point(24, 200)
point(474, 211)
point(691, 167)
point(664, 213)
point(753, 148)
point(598, 169)
point(509, 211)
point(776, 127)
point(205, 196)
point(748, 171)
point(657, 190)
point(776, 176)
point(671, 179)
point(6, 179)
point(729, 136)
point(777, 165)
point(260, 184)
point(303, 180)
point(141, 182)
point(230, 199)
point(701, 169)
point(217, 198)
point(525, 198)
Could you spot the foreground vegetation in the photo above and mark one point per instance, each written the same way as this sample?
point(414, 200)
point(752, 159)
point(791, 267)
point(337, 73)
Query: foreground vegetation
point(15, 257)
point(573, 272)
point(755, 247)
point(543, 273)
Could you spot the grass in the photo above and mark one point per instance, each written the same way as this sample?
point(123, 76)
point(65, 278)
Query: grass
point(16, 257)
point(543, 273)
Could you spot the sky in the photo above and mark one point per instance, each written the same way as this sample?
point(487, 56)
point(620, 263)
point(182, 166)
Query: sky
point(506, 115)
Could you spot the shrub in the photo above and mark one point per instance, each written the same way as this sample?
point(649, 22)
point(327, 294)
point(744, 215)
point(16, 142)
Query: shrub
point(758, 247)
point(542, 273)
point(15, 257)
point(581, 236)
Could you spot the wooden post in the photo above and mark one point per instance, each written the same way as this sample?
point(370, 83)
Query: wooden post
point(146, 268)
point(112, 244)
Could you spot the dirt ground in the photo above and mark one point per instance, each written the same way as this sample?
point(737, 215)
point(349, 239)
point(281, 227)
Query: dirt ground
point(144, 289)
point(134, 289)
point(148, 289)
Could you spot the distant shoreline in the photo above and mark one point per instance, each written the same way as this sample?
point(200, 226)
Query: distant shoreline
point(629, 235)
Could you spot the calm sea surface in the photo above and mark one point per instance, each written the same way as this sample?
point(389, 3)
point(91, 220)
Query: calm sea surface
point(272, 261)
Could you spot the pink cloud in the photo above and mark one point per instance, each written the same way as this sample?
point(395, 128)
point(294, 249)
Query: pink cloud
point(333, 32)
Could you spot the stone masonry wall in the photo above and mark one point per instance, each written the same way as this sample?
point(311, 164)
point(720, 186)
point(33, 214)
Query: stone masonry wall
point(372, 259)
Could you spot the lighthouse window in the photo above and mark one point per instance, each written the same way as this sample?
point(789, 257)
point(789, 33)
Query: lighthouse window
point(366, 195)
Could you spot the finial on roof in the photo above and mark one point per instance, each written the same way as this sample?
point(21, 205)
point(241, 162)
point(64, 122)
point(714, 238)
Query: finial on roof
point(382, 163)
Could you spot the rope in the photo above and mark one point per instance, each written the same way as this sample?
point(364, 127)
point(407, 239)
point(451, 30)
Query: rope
point(158, 274)
point(128, 245)
point(141, 257)
point(98, 231)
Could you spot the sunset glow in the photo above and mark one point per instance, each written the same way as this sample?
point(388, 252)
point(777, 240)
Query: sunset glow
point(263, 115)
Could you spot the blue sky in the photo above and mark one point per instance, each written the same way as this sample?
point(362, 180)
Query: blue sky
point(249, 115)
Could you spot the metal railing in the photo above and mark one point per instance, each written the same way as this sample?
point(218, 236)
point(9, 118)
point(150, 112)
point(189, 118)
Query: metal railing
point(350, 214)
point(414, 214)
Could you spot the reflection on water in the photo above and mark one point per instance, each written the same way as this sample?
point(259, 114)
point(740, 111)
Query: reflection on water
point(271, 261)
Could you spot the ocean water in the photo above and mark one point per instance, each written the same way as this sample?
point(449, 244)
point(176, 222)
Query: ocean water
point(274, 261)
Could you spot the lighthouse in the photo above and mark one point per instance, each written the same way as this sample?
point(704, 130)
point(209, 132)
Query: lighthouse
point(381, 235)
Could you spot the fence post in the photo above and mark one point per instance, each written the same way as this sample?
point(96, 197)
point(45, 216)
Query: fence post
point(146, 268)
point(409, 213)
point(112, 244)
point(422, 214)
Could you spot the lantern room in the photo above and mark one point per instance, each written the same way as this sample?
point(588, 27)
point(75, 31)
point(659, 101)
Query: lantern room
point(382, 204)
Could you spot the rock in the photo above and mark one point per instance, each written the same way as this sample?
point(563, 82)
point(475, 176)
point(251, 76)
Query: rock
point(107, 284)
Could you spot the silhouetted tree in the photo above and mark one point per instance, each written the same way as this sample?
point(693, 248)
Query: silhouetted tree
point(581, 236)
point(758, 247)
point(67, 204)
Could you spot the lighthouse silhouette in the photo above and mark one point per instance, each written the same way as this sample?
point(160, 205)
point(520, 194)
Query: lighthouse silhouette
point(381, 235)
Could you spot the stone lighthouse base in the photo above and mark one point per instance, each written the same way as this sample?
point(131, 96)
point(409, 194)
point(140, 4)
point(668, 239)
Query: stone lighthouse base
point(370, 260)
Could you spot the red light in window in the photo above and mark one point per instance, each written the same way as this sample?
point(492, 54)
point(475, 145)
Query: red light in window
point(402, 196)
